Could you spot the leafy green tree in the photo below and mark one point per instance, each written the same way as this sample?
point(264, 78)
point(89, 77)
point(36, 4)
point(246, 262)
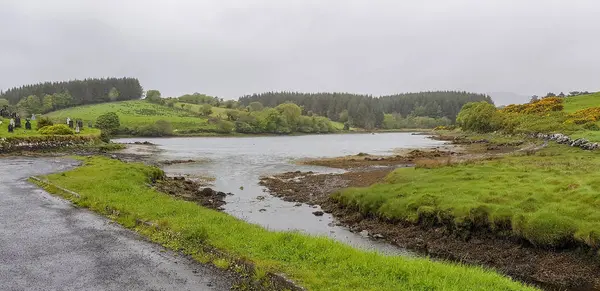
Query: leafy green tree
point(479, 117)
point(225, 126)
point(230, 104)
point(154, 96)
point(108, 122)
point(206, 110)
point(343, 116)
point(364, 110)
point(4, 102)
point(114, 94)
point(164, 127)
point(62, 100)
point(232, 115)
point(534, 98)
point(171, 102)
point(31, 104)
point(291, 112)
point(255, 107)
point(48, 103)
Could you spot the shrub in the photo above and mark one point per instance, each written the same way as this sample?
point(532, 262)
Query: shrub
point(224, 126)
point(158, 129)
point(549, 229)
point(57, 129)
point(104, 136)
point(108, 122)
point(591, 126)
point(585, 116)
point(243, 127)
point(540, 106)
point(164, 127)
point(43, 122)
point(479, 117)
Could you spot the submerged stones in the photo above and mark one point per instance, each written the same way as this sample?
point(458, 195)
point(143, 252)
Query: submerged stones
point(318, 213)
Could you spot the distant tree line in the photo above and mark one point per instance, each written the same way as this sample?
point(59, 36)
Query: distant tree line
point(369, 112)
point(49, 96)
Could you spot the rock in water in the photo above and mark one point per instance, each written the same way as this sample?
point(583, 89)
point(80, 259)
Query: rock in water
point(318, 213)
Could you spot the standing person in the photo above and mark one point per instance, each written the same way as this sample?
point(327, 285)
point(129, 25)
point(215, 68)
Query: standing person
point(12, 122)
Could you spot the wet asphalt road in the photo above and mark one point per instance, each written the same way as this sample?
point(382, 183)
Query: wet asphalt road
point(47, 244)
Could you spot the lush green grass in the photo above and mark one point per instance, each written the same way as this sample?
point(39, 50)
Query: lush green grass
point(575, 103)
point(21, 132)
point(551, 198)
point(136, 113)
point(318, 263)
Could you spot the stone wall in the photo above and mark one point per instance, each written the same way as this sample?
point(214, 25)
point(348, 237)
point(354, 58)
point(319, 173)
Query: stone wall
point(34, 143)
point(564, 139)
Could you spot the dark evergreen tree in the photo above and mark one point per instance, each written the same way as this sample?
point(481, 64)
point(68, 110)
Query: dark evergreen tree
point(77, 92)
point(368, 111)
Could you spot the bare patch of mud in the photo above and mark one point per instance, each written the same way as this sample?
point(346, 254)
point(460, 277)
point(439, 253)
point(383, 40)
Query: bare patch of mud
point(190, 190)
point(365, 160)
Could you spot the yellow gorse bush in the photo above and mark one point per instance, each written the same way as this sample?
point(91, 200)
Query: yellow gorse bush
point(588, 115)
point(541, 106)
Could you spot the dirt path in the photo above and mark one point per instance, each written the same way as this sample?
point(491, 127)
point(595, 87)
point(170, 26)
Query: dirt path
point(47, 244)
point(552, 270)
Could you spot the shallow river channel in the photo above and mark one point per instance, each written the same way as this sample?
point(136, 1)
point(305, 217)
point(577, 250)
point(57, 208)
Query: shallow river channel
point(236, 163)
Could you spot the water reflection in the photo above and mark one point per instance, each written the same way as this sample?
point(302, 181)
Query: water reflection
point(237, 163)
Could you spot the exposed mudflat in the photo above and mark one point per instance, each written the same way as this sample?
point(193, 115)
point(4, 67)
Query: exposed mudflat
point(191, 191)
point(363, 160)
point(550, 269)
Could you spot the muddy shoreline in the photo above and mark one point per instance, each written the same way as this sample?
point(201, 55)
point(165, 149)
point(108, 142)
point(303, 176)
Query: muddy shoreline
point(549, 269)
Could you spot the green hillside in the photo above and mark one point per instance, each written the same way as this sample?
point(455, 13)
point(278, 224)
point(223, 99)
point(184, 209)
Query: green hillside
point(575, 103)
point(142, 118)
point(138, 113)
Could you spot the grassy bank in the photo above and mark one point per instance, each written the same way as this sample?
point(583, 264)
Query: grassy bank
point(552, 198)
point(315, 263)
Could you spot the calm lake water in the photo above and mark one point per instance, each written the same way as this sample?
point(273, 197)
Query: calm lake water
point(237, 162)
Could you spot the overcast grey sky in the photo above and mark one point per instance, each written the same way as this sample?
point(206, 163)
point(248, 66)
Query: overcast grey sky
point(233, 47)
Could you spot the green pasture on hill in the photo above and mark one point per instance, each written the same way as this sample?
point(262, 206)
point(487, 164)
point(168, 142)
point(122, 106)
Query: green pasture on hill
point(575, 103)
point(134, 114)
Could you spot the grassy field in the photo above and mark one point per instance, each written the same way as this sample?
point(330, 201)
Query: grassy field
point(316, 263)
point(136, 113)
point(551, 198)
point(21, 132)
point(575, 103)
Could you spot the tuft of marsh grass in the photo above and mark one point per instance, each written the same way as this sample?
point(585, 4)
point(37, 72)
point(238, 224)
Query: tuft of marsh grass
point(551, 198)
